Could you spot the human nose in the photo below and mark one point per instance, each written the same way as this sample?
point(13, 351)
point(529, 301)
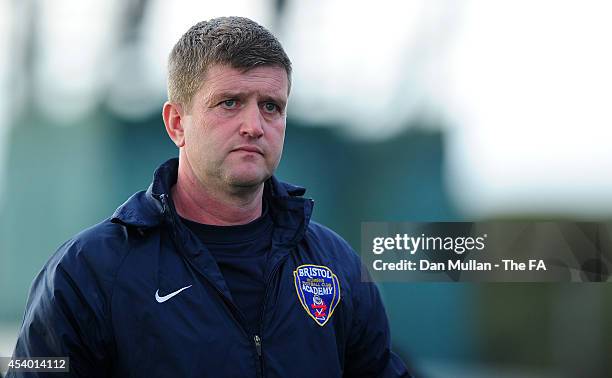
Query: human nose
point(252, 122)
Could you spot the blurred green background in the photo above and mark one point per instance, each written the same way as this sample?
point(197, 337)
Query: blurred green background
point(77, 140)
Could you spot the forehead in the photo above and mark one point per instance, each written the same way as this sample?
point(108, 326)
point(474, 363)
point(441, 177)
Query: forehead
point(264, 81)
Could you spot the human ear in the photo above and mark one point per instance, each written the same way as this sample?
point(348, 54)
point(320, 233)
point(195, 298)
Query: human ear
point(173, 120)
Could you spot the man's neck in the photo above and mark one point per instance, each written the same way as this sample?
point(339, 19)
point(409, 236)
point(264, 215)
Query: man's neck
point(204, 205)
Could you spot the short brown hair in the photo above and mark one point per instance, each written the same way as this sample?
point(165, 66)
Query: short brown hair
point(236, 41)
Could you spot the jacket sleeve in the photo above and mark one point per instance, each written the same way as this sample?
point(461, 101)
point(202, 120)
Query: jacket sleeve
point(369, 351)
point(64, 317)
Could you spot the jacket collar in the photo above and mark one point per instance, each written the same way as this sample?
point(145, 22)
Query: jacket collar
point(148, 209)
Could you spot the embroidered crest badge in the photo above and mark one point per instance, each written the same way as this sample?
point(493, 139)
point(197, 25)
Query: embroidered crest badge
point(318, 290)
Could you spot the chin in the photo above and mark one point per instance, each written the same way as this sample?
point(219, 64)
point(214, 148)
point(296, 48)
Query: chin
point(247, 180)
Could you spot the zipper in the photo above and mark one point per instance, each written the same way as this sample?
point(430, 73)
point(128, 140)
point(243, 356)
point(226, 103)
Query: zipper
point(233, 309)
point(239, 320)
point(257, 338)
point(258, 345)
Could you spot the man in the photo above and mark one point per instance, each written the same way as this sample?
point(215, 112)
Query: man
point(216, 270)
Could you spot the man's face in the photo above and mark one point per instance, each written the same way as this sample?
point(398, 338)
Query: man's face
point(235, 129)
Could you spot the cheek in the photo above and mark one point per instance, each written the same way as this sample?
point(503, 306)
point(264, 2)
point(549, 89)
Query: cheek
point(193, 140)
point(198, 143)
point(275, 143)
point(277, 134)
point(200, 133)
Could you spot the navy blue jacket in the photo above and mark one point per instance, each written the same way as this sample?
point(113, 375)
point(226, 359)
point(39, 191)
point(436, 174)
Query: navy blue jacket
point(139, 295)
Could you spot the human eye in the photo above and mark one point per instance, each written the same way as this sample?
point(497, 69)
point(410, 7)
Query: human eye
point(270, 107)
point(229, 104)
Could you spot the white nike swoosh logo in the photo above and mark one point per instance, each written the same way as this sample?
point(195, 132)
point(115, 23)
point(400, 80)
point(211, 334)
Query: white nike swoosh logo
point(168, 296)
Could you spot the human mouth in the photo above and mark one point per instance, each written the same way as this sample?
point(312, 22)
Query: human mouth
point(249, 148)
